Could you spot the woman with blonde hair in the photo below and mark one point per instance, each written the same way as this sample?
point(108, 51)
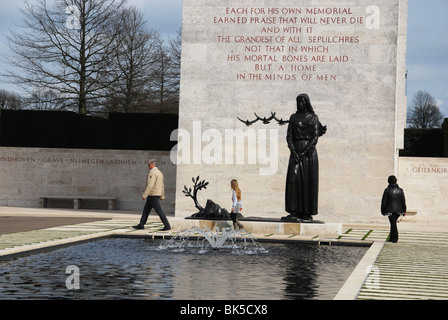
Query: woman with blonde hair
point(237, 204)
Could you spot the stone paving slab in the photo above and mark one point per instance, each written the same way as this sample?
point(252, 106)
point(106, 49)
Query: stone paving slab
point(415, 268)
point(12, 224)
point(13, 243)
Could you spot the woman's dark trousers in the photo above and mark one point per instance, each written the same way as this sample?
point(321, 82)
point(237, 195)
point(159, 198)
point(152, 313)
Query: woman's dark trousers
point(393, 227)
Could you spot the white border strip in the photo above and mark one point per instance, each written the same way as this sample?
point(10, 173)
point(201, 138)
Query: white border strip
point(354, 283)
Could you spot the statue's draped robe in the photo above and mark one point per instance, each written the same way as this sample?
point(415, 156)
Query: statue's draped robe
point(302, 181)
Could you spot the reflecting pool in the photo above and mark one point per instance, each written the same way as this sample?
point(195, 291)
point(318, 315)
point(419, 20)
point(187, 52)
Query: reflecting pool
point(137, 269)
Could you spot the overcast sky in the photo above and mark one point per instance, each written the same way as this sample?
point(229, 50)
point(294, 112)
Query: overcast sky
point(427, 54)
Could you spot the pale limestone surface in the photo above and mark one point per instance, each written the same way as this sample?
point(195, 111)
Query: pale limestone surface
point(425, 183)
point(360, 97)
point(29, 173)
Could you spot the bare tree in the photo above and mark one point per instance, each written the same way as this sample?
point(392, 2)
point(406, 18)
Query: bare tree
point(159, 79)
point(45, 100)
point(135, 56)
point(66, 46)
point(10, 100)
point(175, 52)
point(424, 112)
point(166, 76)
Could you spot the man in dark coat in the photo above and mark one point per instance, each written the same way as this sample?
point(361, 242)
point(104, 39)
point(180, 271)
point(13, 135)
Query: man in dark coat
point(393, 205)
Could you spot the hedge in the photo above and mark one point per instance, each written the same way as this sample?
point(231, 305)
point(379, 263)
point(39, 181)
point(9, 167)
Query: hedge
point(144, 131)
point(58, 129)
point(423, 143)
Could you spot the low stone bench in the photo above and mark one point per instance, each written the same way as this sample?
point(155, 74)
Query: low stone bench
point(411, 216)
point(77, 200)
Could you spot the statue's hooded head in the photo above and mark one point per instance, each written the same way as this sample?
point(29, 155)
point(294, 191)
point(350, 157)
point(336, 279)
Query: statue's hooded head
point(304, 103)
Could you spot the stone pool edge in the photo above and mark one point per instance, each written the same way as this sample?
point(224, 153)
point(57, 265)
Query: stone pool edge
point(353, 285)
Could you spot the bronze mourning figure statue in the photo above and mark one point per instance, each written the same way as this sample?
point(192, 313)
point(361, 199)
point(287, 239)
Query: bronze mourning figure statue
point(302, 181)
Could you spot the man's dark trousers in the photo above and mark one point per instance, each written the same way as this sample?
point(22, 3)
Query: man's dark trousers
point(153, 202)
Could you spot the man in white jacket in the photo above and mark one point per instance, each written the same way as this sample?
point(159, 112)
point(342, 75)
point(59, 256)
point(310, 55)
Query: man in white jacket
point(154, 192)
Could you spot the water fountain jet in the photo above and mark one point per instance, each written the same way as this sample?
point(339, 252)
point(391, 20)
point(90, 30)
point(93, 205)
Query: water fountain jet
point(226, 239)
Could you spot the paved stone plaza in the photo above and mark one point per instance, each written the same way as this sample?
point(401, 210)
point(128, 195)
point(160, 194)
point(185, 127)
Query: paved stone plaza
point(415, 268)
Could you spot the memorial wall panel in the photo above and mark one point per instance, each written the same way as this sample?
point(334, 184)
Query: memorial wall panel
point(243, 59)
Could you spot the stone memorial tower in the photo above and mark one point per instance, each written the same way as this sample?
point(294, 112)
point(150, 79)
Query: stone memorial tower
point(248, 60)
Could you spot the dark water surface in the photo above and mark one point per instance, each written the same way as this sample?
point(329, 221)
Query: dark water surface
point(137, 269)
